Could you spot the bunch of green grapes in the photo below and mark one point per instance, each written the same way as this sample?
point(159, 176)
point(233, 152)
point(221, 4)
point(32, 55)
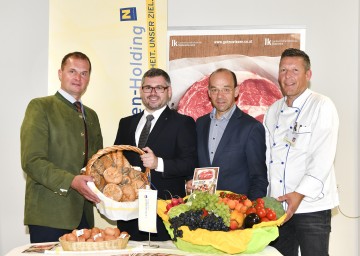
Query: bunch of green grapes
point(210, 202)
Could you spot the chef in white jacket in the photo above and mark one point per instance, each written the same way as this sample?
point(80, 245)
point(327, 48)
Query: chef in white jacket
point(301, 137)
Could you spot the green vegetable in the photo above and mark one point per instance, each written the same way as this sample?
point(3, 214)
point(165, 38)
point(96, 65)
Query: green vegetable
point(274, 204)
point(177, 210)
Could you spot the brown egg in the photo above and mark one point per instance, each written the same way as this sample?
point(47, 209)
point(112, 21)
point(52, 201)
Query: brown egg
point(81, 239)
point(86, 233)
point(117, 232)
point(108, 238)
point(95, 230)
point(99, 239)
point(71, 237)
point(97, 236)
point(109, 231)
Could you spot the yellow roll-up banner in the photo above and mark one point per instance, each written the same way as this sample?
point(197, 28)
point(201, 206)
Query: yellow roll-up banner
point(123, 39)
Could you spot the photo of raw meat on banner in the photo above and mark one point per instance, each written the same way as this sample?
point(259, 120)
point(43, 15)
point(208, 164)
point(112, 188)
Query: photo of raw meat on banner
point(252, 55)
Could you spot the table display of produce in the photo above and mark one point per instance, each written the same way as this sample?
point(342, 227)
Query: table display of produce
point(203, 222)
point(224, 222)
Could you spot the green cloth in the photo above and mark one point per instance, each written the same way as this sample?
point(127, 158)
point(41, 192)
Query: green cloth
point(52, 146)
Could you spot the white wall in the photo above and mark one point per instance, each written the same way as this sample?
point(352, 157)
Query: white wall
point(23, 74)
point(332, 41)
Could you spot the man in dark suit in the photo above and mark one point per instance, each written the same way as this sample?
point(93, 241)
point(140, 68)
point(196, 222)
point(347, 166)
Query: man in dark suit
point(53, 151)
point(232, 140)
point(170, 150)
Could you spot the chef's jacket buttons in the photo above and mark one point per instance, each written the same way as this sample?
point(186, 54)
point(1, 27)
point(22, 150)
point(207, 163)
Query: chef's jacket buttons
point(296, 111)
point(274, 144)
point(271, 161)
point(282, 162)
point(213, 138)
point(80, 116)
point(212, 152)
point(291, 127)
point(82, 134)
point(280, 181)
point(286, 145)
point(83, 153)
point(281, 111)
point(277, 127)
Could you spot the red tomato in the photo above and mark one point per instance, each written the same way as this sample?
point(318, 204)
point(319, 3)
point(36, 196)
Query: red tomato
point(174, 201)
point(261, 212)
point(264, 219)
point(168, 206)
point(259, 206)
point(260, 201)
point(205, 213)
point(250, 210)
point(270, 214)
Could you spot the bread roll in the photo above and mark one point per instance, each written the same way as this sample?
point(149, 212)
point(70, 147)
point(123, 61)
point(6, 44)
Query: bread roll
point(129, 193)
point(113, 175)
point(107, 161)
point(113, 192)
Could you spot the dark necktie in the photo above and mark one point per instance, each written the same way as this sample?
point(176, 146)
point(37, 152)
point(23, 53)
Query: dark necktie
point(145, 132)
point(78, 108)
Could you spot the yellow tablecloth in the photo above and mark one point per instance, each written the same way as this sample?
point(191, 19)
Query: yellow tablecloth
point(133, 248)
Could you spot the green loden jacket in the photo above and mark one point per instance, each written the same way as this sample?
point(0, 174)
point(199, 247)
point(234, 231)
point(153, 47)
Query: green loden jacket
point(52, 146)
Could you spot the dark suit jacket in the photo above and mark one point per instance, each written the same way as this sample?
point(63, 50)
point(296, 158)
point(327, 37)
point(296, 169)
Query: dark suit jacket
point(52, 146)
point(241, 154)
point(173, 138)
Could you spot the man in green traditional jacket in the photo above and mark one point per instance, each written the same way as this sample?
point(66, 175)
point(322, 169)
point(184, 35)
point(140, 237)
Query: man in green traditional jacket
point(54, 149)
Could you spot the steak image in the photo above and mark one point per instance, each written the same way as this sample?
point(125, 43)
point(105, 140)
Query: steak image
point(206, 175)
point(256, 94)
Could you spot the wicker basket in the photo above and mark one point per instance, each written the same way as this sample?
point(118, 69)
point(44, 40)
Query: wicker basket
point(119, 243)
point(115, 153)
point(108, 207)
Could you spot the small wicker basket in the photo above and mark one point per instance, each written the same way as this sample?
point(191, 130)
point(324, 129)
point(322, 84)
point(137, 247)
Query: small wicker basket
point(119, 243)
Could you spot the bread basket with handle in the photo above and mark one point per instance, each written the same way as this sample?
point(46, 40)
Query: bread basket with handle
point(113, 157)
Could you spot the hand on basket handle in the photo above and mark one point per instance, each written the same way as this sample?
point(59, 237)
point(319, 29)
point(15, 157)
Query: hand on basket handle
point(149, 159)
point(79, 183)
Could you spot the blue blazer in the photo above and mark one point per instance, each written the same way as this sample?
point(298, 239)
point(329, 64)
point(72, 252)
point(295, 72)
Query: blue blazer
point(241, 154)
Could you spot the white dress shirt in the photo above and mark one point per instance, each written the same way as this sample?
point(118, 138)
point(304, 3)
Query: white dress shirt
point(140, 126)
point(301, 145)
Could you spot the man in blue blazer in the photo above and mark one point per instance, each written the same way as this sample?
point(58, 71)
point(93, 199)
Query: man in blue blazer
point(170, 150)
point(232, 140)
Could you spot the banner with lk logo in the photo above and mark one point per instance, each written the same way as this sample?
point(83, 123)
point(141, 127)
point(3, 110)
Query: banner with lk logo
point(253, 55)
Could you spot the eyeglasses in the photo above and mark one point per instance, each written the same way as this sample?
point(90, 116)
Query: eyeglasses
point(223, 90)
point(157, 89)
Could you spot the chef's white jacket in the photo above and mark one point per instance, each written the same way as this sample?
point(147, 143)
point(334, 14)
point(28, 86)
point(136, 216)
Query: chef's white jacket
point(301, 144)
